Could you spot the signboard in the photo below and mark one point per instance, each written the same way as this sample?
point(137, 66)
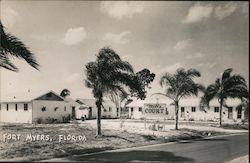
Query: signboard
point(154, 109)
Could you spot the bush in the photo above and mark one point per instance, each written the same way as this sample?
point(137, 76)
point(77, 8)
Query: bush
point(191, 119)
point(66, 119)
point(38, 120)
point(153, 127)
point(51, 120)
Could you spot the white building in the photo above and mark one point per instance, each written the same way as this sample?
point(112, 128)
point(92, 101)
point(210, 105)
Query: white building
point(82, 111)
point(189, 109)
point(48, 105)
point(109, 109)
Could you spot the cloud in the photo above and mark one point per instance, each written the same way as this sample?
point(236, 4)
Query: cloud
point(196, 55)
point(224, 11)
point(117, 38)
point(182, 45)
point(74, 36)
point(121, 9)
point(73, 77)
point(9, 16)
point(198, 13)
point(170, 68)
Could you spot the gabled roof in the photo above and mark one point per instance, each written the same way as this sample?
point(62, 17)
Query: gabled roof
point(54, 97)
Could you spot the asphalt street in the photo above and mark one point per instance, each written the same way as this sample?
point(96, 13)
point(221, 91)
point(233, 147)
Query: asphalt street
point(218, 149)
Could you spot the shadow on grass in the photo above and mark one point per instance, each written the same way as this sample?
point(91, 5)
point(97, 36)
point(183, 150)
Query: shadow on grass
point(116, 136)
point(71, 152)
point(132, 156)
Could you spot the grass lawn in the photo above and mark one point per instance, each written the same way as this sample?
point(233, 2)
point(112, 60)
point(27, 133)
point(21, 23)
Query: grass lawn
point(114, 137)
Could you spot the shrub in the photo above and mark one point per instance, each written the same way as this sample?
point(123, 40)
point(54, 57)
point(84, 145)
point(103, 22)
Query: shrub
point(66, 119)
point(51, 120)
point(191, 119)
point(38, 120)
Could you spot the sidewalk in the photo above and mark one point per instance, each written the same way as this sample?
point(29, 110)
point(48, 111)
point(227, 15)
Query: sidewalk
point(243, 159)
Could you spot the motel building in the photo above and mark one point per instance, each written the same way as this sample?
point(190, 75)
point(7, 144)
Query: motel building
point(28, 109)
point(189, 109)
point(109, 109)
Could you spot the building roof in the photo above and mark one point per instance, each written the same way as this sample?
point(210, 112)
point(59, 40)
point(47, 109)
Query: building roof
point(71, 102)
point(91, 102)
point(25, 96)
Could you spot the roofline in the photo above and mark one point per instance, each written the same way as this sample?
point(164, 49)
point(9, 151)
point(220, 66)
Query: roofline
point(3, 102)
point(47, 93)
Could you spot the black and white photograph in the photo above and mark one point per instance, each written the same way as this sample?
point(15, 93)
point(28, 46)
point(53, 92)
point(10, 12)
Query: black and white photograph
point(124, 81)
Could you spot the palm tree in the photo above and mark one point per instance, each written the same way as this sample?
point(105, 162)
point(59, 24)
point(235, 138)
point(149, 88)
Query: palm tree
point(228, 86)
point(180, 85)
point(109, 74)
point(12, 46)
point(65, 93)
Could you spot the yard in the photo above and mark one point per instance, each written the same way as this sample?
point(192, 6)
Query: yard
point(116, 134)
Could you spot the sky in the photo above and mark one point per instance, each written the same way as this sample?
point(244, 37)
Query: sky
point(161, 36)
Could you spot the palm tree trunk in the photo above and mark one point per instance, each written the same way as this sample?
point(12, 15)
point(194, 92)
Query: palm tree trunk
point(176, 114)
point(98, 104)
point(221, 102)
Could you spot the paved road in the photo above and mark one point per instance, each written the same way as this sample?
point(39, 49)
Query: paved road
point(218, 149)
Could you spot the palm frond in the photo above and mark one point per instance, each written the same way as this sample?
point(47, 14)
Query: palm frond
point(13, 46)
point(226, 74)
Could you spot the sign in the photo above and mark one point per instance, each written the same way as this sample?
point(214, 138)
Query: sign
point(154, 109)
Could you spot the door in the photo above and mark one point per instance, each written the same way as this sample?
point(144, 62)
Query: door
point(182, 112)
point(90, 112)
point(239, 112)
point(73, 113)
point(230, 113)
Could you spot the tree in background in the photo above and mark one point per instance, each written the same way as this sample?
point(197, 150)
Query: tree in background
point(180, 85)
point(144, 77)
point(109, 73)
point(227, 86)
point(12, 46)
point(64, 93)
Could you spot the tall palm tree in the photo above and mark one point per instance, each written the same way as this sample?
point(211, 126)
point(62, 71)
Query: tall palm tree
point(109, 74)
point(12, 46)
point(180, 85)
point(227, 86)
point(64, 93)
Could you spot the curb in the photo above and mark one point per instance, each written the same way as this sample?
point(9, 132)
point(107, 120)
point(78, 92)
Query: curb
point(155, 145)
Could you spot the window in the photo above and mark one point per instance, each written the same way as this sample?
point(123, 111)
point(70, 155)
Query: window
point(65, 108)
point(239, 113)
point(140, 108)
point(7, 107)
point(166, 111)
point(182, 109)
point(104, 110)
point(0, 106)
point(16, 107)
point(110, 109)
point(25, 106)
point(55, 108)
point(43, 108)
point(193, 109)
point(216, 109)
